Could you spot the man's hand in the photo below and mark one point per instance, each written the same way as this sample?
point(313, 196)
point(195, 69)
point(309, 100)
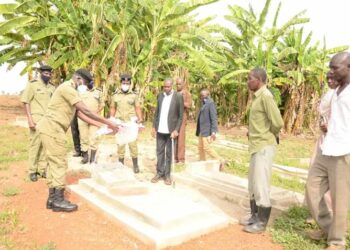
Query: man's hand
point(153, 132)
point(112, 126)
point(31, 125)
point(213, 137)
point(174, 134)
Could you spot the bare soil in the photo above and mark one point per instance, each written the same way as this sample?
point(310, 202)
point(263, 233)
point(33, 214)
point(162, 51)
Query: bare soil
point(87, 228)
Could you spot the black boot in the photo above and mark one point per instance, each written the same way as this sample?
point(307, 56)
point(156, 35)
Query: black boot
point(59, 204)
point(85, 157)
point(121, 160)
point(92, 156)
point(50, 198)
point(33, 177)
point(263, 219)
point(135, 165)
point(253, 215)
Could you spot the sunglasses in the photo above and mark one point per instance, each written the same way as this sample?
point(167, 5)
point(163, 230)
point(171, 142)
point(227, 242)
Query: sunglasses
point(126, 79)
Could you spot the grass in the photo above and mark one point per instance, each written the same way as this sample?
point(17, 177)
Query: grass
point(49, 246)
point(290, 230)
point(10, 191)
point(8, 223)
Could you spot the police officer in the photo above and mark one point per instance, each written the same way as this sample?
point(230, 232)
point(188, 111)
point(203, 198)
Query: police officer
point(52, 129)
point(125, 106)
point(92, 97)
point(35, 98)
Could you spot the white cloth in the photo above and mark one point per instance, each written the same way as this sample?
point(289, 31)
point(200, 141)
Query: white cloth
point(325, 104)
point(337, 140)
point(163, 119)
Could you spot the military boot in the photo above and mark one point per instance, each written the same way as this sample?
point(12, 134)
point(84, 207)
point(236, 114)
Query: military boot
point(135, 165)
point(33, 177)
point(252, 218)
point(260, 225)
point(59, 204)
point(85, 157)
point(77, 154)
point(92, 156)
point(50, 198)
point(121, 160)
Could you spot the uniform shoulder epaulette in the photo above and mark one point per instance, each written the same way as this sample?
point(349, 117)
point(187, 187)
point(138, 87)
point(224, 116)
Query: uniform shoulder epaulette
point(117, 91)
point(34, 80)
point(98, 89)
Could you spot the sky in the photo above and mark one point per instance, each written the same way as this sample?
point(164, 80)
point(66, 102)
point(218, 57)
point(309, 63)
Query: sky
point(327, 19)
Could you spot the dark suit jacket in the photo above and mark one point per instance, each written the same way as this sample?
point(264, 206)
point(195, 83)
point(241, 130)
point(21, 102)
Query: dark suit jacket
point(175, 114)
point(207, 122)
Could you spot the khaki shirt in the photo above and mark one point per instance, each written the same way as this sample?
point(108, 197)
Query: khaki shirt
point(60, 111)
point(37, 94)
point(92, 98)
point(265, 121)
point(125, 104)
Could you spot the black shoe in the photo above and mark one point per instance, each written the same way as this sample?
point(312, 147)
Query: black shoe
point(59, 204)
point(85, 157)
point(77, 154)
point(260, 225)
point(253, 215)
point(156, 178)
point(121, 160)
point(135, 165)
point(33, 177)
point(92, 156)
point(50, 198)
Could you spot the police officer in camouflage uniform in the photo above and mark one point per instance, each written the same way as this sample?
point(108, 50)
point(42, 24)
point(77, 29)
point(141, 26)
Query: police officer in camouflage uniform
point(36, 97)
point(52, 130)
point(125, 106)
point(92, 97)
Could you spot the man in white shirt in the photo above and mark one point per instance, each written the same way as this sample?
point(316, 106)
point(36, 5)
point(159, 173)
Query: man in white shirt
point(331, 167)
point(166, 126)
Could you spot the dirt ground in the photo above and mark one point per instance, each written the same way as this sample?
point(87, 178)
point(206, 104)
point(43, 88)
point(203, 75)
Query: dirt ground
point(87, 228)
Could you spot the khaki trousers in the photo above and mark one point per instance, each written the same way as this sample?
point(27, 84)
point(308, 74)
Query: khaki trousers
point(259, 175)
point(181, 141)
point(204, 148)
point(333, 173)
point(88, 138)
point(132, 148)
point(56, 154)
point(37, 158)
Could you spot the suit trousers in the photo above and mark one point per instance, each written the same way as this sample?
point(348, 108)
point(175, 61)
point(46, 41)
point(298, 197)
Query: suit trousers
point(330, 173)
point(56, 154)
point(205, 148)
point(164, 154)
point(37, 158)
point(259, 175)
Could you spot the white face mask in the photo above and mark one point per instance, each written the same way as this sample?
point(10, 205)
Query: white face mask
point(82, 88)
point(125, 87)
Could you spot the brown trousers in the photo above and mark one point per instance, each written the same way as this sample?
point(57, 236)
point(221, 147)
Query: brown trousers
point(181, 141)
point(330, 173)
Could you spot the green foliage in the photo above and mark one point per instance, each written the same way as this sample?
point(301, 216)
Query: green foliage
point(10, 191)
point(49, 246)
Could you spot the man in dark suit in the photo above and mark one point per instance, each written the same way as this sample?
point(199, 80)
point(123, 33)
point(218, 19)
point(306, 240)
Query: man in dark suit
point(166, 126)
point(207, 127)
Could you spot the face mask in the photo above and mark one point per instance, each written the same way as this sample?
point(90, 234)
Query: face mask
point(125, 87)
point(205, 99)
point(82, 88)
point(45, 79)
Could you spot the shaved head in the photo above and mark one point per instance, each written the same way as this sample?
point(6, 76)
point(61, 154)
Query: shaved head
point(339, 68)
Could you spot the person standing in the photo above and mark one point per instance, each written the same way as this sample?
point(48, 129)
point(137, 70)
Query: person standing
point(35, 98)
point(126, 107)
point(166, 126)
point(265, 123)
point(52, 130)
point(331, 167)
point(207, 127)
point(181, 140)
point(92, 98)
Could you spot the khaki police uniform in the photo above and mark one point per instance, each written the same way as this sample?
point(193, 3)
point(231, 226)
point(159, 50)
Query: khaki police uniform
point(52, 129)
point(125, 104)
point(37, 94)
point(92, 98)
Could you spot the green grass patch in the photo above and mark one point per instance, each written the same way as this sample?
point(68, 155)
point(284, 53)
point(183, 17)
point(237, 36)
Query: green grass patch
point(10, 191)
point(8, 223)
point(49, 246)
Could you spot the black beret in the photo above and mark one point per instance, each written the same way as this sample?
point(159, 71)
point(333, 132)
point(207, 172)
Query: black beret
point(45, 68)
point(84, 73)
point(125, 76)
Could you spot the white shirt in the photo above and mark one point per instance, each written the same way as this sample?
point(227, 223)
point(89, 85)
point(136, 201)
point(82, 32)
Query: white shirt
point(337, 140)
point(163, 119)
